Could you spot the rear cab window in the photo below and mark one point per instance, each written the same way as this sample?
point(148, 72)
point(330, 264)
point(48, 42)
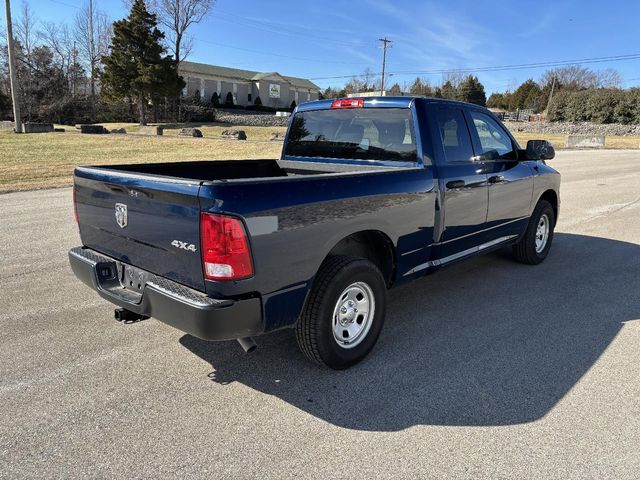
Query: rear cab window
point(382, 134)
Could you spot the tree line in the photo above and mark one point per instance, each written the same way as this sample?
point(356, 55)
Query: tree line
point(466, 88)
point(579, 94)
point(91, 69)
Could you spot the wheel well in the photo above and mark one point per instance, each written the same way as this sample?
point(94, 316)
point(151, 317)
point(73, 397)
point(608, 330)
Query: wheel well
point(373, 245)
point(552, 197)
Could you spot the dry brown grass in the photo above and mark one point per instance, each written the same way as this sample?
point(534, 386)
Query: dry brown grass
point(559, 141)
point(29, 162)
point(47, 160)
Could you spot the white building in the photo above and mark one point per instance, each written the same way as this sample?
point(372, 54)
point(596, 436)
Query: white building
point(275, 90)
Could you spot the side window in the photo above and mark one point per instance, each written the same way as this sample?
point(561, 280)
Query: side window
point(495, 142)
point(454, 135)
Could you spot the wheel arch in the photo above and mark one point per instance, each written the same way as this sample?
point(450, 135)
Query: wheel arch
point(374, 245)
point(551, 196)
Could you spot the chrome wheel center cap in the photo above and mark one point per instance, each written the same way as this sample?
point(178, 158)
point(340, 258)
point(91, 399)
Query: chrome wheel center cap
point(347, 315)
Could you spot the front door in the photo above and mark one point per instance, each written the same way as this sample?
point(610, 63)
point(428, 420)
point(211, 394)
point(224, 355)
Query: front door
point(510, 181)
point(464, 185)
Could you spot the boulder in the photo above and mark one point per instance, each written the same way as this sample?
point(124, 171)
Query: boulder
point(149, 130)
point(277, 136)
point(190, 132)
point(585, 141)
point(31, 127)
point(234, 135)
point(120, 131)
point(92, 129)
point(6, 125)
point(59, 130)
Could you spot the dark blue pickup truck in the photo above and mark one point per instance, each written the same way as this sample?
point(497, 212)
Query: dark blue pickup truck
point(368, 194)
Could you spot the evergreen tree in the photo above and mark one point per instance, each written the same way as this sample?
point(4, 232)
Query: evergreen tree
point(472, 91)
point(416, 87)
point(137, 67)
point(448, 91)
point(395, 90)
point(527, 95)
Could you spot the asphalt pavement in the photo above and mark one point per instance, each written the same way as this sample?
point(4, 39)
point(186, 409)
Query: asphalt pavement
point(489, 369)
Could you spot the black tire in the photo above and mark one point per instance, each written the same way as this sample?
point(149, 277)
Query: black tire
point(525, 250)
point(314, 329)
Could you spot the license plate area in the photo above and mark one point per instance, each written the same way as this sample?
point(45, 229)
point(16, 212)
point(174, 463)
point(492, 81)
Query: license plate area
point(132, 278)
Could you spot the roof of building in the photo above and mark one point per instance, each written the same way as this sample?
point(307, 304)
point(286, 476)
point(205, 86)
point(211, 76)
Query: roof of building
point(248, 75)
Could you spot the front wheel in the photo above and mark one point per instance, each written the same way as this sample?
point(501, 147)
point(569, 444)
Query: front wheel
point(534, 246)
point(344, 313)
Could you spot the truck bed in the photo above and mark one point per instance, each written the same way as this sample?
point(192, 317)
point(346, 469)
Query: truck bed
point(212, 170)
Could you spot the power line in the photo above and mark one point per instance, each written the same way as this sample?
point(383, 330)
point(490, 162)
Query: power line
point(497, 68)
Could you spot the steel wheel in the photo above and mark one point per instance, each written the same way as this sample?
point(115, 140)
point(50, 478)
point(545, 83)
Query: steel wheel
point(542, 233)
point(353, 315)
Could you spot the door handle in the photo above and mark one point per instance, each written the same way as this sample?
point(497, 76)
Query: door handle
point(496, 179)
point(455, 184)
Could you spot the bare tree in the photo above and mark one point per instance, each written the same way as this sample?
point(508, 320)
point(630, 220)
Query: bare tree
point(177, 16)
point(25, 29)
point(609, 78)
point(61, 41)
point(92, 32)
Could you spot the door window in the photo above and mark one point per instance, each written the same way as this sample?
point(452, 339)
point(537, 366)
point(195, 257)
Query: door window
point(495, 142)
point(454, 135)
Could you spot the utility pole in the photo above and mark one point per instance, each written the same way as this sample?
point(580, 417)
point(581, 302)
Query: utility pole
point(553, 84)
point(12, 70)
point(385, 44)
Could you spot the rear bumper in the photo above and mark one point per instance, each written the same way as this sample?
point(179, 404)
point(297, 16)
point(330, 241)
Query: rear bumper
point(181, 307)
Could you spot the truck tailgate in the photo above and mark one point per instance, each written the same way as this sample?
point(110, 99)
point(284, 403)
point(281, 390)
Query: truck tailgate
point(147, 221)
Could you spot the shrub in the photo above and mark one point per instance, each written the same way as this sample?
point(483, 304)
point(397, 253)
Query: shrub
point(293, 105)
point(228, 100)
point(628, 109)
point(5, 105)
point(605, 105)
point(257, 102)
point(215, 99)
point(193, 111)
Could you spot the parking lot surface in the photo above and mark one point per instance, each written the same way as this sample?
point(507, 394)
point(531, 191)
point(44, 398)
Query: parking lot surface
point(487, 369)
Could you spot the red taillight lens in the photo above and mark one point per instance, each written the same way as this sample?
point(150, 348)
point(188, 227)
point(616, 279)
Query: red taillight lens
point(348, 103)
point(75, 204)
point(225, 248)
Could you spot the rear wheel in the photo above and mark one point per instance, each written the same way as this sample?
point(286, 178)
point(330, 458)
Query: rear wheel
point(534, 246)
point(344, 313)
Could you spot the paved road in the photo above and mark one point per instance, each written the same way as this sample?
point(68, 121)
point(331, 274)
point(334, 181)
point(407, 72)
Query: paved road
point(488, 369)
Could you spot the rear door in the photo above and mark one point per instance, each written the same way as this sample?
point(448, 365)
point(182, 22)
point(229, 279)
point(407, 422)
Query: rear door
point(464, 183)
point(510, 181)
point(147, 221)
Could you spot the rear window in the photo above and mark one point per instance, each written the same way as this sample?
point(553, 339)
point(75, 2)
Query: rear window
point(354, 134)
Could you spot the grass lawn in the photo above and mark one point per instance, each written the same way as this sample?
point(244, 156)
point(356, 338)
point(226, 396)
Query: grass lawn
point(47, 160)
point(559, 140)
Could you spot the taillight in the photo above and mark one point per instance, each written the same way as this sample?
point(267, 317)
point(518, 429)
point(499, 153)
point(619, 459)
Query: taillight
point(75, 204)
point(348, 103)
point(225, 248)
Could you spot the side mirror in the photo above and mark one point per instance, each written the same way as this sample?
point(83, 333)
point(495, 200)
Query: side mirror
point(540, 150)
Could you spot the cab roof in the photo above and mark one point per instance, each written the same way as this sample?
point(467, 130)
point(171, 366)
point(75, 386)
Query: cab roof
point(382, 102)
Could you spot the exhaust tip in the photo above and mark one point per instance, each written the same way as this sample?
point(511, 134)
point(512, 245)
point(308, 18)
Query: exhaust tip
point(247, 344)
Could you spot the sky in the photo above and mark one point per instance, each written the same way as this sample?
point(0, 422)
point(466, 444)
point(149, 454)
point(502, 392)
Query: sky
point(320, 40)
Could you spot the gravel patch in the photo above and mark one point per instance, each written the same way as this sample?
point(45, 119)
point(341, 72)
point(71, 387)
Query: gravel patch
point(579, 128)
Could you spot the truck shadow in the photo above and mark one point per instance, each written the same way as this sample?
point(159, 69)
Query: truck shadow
point(485, 342)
